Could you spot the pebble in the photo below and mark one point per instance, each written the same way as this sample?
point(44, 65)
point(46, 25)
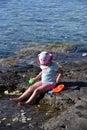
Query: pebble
point(12, 93)
point(84, 54)
point(6, 92)
point(15, 119)
point(8, 124)
point(28, 119)
point(3, 119)
point(23, 116)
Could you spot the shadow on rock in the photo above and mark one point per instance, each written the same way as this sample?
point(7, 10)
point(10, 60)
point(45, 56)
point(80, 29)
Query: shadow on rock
point(74, 85)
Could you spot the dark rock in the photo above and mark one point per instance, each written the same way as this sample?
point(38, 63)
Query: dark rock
point(73, 98)
point(70, 104)
point(17, 78)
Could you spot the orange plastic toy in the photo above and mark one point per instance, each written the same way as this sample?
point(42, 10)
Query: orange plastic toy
point(59, 88)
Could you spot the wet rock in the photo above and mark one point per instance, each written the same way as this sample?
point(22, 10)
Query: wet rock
point(74, 118)
point(70, 105)
point(17, 78)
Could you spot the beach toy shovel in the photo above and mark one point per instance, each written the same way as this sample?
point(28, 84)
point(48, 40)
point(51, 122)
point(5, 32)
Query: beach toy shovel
point(58, 89)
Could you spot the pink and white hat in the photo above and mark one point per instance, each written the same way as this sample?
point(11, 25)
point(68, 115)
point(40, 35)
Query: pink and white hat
point(44, 58)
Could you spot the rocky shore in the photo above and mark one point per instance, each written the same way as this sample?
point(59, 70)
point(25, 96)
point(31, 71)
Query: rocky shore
point(61, 111)
point(73, 99)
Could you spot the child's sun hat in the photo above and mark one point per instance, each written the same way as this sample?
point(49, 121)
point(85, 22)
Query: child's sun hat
point(45, 58)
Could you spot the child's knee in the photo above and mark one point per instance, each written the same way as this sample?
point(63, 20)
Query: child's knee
point(37, 91)
point(31, 88)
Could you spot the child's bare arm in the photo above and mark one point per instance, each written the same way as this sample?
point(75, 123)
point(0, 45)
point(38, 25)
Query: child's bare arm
point(37, 77)
point(60, 73)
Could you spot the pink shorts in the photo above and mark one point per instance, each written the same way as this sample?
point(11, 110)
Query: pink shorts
point(44, 86)
point(49, 86)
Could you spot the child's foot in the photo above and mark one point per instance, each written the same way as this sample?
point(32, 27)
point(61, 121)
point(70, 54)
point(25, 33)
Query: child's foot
point(20, 104)
point(14, 99)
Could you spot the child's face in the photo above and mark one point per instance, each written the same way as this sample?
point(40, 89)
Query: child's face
point(48, 64)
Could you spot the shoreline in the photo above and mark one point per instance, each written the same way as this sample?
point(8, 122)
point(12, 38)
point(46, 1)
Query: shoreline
point(65, 52)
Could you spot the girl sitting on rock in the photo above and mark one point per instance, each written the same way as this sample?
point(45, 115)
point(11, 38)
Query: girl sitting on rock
point(50, 76)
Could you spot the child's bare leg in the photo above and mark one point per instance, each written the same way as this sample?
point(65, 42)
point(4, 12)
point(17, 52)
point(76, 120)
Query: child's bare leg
point(23, 96)
point(36, 92)
point(27, 93)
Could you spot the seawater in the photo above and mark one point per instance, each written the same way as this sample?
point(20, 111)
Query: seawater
point(44, 21)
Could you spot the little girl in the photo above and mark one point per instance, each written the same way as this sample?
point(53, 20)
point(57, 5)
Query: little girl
point(49, 79)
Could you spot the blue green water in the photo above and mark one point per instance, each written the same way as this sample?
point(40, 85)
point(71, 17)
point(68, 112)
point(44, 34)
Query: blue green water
point(44, 21)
